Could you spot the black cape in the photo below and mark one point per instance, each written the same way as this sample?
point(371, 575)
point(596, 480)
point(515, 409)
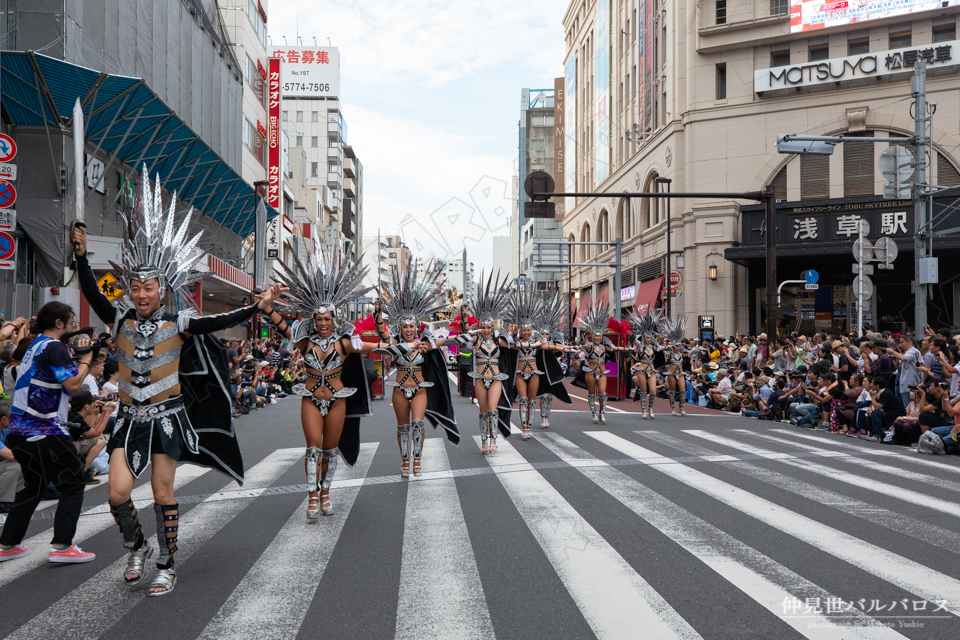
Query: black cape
point(552, 381)
point(508, 389)
point(358, 406)
point(439, 403)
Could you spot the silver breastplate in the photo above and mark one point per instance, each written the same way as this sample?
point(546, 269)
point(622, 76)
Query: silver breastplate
point(414, 359)
point(142, 362)
point(330, 362)
point(488, 348)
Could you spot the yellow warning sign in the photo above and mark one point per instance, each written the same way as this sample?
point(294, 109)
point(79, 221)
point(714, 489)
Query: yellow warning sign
point(108, 285)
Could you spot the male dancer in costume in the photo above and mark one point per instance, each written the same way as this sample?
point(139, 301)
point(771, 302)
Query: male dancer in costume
point(174, 405)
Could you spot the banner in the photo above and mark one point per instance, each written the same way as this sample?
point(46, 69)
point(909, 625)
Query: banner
point(558, 140)
point(309, 72)
point(641, 74)
point(570, 131)
point(273, 144)
point(809, 15)
point(647, 66)
point(601, 39)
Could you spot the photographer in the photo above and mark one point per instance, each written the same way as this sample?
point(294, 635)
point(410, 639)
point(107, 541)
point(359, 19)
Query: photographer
point(909, 356)
point(40, 442)
point(90, 415)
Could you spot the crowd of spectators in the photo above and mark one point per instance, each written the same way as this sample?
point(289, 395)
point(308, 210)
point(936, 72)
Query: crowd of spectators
point(882, 387)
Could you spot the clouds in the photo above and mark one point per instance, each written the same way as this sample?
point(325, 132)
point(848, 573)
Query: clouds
point(431, 93)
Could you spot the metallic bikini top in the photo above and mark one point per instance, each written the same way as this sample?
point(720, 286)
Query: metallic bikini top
point(488, 348)
point(330, 362)
point(413, 359)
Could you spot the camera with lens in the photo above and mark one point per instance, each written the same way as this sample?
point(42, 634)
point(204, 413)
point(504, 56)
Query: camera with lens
point(95, 343)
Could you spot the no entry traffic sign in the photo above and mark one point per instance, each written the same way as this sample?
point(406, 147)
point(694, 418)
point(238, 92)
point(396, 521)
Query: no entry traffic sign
point(8, 148)
point(8, 195)
point(8, 251)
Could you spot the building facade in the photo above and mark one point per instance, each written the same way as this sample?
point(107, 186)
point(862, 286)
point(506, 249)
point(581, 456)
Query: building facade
point(460, 274)
point(696, 93)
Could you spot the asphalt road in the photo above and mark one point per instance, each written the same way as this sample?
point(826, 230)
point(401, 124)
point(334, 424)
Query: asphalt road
point(706, 526)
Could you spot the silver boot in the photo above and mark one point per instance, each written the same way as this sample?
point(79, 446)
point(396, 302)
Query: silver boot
point(403, 436)
point(643, 406)
point(418, 434)
point(484, 436)
point(650, 398)
point(545, 402)
point(672, 396)
point(493, 420)
point(593, 407)
point(330, 459)
point(603, 408)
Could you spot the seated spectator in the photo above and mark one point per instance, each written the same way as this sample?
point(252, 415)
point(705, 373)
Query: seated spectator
point(721, 395)
point(90, 415)
point(906, 429)
point(885, 408)
point(11, 477)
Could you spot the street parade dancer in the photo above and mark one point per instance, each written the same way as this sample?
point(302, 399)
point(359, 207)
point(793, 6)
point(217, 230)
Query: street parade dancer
point(551, 385)
point(594, 352)
point(525, 305)
point(174, 402)
point(645, 371)
point(493, 371)
point(421, 389)
point(335, 395)
point(672, 331)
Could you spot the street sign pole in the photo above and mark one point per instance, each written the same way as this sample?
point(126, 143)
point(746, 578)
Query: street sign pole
point(861, 229)
point(773, 293)
point(919, 90)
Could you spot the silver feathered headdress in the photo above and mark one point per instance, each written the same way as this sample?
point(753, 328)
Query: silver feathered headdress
point(647, 324)
point(490, 300)
point(408, 299)
point(596, 318)
point(154, 247)
point(672, 329)
point(325, 282)
point(526, 306)
point(554, 312)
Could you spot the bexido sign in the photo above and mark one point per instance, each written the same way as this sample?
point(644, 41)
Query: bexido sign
point(869, 65)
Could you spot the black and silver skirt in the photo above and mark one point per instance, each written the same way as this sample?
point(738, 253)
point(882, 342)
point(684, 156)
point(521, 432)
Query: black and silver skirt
point(154, 428)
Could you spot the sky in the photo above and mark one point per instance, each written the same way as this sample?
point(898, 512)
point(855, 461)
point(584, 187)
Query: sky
point(430, 92)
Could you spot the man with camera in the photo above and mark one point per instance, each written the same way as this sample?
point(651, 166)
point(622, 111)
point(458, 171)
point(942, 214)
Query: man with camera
point(40, 441)
point(88, 419)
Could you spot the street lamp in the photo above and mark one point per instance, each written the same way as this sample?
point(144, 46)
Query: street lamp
point(713, 271)
point(667, 182)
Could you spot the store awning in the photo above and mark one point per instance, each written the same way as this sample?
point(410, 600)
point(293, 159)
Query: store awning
point(123, 116)
point(647, 293)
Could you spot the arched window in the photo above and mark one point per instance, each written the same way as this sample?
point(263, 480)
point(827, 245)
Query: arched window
point(571, 254)
point(603, 228)
point(650, 211)
point(623, 219)
point(585, 252)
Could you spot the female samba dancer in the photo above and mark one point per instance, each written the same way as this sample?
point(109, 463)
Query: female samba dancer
point(335, 394)
point(493, 372)
point(672, 332)
point(594, 352)
point(551, 386)
point(421, 388)
point(645, 372)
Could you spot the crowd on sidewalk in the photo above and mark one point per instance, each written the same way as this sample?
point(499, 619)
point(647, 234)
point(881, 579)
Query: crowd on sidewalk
point(882, 387)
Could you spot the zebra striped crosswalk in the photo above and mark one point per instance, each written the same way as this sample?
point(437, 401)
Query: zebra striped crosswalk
point(664, 532)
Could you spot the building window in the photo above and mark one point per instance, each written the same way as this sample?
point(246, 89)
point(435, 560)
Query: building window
point(779, 7)
point(257, 21)
point(818, 52)
point(858, 46)
point(901, 39)
point(721, 11)
point(814, 177)
point(537, 145)
point(314, 141)
point(299, 141)
point(299, 116)
point(722, 81)
point(253, 141)
point(393, 254)
point(858, 167)
point(314, 167)
point(945, 33)
point(315, 116)
point(541, 121)
point(947, 174)
point(780, 58)
point(283, 116)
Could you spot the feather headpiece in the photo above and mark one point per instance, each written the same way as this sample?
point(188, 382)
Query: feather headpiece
point(325, 282)
point(672, 329)
point(594, 320)
point(647, 324)
point(550, 321)
point(490, 300)
point(155, 247)
point(526, 307)
point(408, 299)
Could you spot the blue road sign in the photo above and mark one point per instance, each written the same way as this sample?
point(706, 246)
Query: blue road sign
point(811, 276)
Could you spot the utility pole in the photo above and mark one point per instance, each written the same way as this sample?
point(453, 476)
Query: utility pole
point(770, 218)
point(667, 182)
point(919, 90)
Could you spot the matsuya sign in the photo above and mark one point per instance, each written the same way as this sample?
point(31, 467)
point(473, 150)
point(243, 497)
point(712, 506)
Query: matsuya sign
point(870, 65)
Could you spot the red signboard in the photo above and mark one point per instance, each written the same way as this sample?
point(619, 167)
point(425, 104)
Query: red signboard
point(676, 278)
point(288, 224)
point(262, 130)
point(273, 142)
point(263, 72)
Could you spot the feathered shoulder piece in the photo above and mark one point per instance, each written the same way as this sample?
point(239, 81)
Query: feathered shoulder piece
point(490, 299)
point(672, 329)
point(594, 320)
point(408, 299)
point(526, 307)
point(324, 282)
point(647, 324)
point(154, 246)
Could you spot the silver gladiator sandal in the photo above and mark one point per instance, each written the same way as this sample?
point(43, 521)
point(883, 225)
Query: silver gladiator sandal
point(643, 406)
point(312, 461)
point(526, 409)
point(484, 437)
point(650, 398)
point(545, 403)
point(492, 420)
point(680, 400)
point(125, 516)
point(673, 400)
point(418, 434)
point(403, 437)
point(593, 407)
point(328, 468)
point(603, 408)
point(168, 524)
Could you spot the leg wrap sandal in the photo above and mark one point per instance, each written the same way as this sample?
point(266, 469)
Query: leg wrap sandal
point(493, 419)
point(672, 396)
point(312, 460)
point(418, 435)
point(168, 521)
point(524, 418)
point(650, 398)
point(403, 437)
point(329, 466)
point(593, 406)
point(484, 440)
point(680, 399)
point(140, 550)
point(603, 408)
point(545, 403)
